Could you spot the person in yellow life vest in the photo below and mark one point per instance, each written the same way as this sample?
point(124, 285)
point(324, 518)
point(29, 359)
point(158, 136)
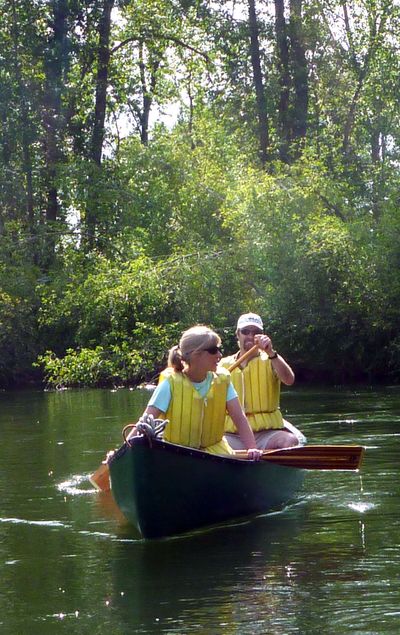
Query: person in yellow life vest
point(194, 395)
point(257, 382)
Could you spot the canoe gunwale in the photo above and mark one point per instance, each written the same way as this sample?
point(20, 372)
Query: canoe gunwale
point(177, 449)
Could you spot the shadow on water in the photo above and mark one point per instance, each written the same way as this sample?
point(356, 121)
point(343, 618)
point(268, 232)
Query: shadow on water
point(243, 578)
point(328, 563)
point(178, 582)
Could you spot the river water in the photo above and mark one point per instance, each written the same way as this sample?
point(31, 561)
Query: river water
point(328, 563)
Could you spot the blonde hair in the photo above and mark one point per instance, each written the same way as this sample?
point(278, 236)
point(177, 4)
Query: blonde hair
point(197, 338)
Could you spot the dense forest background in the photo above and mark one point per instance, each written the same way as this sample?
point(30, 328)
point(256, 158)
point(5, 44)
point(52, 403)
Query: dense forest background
point(171, 162)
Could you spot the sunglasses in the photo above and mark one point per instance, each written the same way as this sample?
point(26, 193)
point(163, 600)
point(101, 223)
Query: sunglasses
point(250, 332)
point(213, 350)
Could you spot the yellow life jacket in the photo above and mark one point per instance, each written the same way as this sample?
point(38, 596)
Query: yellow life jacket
point(165, 373)
point(196, 421)
point(258, 389)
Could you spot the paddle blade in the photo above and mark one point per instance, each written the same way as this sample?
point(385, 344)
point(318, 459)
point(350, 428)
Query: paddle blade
point(100, 479)
point(317, 457)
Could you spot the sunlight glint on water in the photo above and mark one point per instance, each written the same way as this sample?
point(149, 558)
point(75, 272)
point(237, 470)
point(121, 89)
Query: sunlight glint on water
point(326, 562)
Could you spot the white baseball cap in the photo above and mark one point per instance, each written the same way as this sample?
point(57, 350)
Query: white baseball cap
point(250, 319)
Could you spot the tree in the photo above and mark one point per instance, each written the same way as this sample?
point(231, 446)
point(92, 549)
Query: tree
point(258, 83)
point(293, 80)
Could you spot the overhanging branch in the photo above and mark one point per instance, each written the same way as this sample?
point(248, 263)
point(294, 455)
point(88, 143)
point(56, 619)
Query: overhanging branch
point(160, 36)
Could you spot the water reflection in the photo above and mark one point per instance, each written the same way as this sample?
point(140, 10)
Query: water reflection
point(251, 576)
point(71, 564)
point(184, 583)
point(108, 508)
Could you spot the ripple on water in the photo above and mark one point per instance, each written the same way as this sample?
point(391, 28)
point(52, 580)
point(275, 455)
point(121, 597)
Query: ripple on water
point(77, 485)
point(40, 523)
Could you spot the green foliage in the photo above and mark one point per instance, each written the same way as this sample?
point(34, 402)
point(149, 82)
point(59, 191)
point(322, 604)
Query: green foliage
point(315, 275)
point(78, 368)
point(18, 307)
point(87, 367)
point(104, 262)
point(112, 315)
point(17, 339)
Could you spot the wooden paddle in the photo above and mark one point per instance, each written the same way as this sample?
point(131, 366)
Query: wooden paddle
point(307, 457)
point(100, 479)
point(314, 457)
point(243, 358)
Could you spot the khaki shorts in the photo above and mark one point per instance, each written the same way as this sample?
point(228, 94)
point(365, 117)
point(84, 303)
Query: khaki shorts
point(263, 437)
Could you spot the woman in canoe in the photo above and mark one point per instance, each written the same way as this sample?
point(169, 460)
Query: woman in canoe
point(195, 396)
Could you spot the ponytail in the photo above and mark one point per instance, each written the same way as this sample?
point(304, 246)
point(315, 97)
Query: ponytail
point(175, 359)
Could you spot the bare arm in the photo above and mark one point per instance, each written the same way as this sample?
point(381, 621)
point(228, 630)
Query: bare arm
point(239, 419)
point(283, 370)
point(152, 410)
point(280, 365)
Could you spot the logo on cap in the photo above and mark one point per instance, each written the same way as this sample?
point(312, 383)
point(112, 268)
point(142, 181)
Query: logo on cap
point(250, 319)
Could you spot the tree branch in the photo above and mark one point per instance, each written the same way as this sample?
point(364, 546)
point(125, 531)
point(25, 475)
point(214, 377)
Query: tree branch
point(168, 38)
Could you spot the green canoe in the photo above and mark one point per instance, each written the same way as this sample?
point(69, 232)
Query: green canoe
point(166, 489)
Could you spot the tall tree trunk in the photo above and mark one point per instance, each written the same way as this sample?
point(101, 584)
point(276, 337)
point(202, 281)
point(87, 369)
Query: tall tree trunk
point(284, 80)
point(191, 110)
point(349, 123)
point(261, 100)
point(25, 126)
point(55, 65)
point(377, 24)
point(103, 63)
point(147, 92)
point(375, 146)
point(300, 75)
point(377, 172)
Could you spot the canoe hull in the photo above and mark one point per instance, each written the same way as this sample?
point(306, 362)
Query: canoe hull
point(167, 489)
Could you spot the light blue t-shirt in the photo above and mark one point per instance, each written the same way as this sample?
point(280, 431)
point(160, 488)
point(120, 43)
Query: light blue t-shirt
point(161, 397)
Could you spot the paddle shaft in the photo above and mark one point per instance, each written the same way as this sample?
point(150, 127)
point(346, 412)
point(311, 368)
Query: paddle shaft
point(314, 457)
point(243, 358)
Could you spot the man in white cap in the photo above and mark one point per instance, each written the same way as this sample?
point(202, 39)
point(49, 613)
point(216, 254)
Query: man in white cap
point(257, 382)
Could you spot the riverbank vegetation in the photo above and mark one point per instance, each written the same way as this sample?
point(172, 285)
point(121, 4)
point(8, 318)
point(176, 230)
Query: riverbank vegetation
point(170, 162)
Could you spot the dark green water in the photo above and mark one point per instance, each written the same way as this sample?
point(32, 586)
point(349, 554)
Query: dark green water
point(327, 564)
